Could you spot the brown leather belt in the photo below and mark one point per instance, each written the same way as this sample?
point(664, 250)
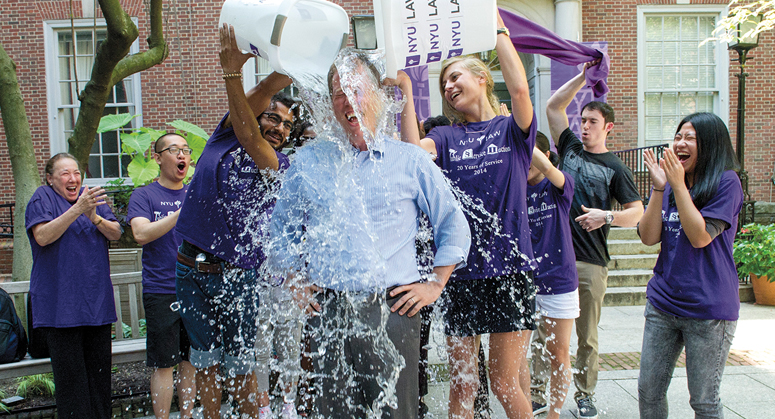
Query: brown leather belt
point(205, 267)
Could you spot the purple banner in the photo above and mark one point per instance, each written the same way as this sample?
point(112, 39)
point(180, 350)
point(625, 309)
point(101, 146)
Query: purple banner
point(421, 91)
point(561, 73)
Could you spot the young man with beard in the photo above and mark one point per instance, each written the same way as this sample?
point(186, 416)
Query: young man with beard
point(153, 211)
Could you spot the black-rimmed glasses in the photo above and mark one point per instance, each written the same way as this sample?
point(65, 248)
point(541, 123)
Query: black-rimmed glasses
point(174, 150)
point(276, 120)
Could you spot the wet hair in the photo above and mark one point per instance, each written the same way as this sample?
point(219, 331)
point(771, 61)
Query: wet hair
point(714, 155)
point(287, 100)
point(605, 109)
point(49, 169)
point(435, 121)
point(542, 143)
point(161, 139)
point(355, 56)
point(476, 67)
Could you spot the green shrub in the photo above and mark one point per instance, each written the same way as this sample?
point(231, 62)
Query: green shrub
point(754, 251)
point(36, 385)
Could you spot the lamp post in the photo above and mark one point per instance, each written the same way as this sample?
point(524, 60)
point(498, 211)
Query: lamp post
point(742, 44)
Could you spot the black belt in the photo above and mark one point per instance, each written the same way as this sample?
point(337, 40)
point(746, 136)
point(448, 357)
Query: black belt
point(188, 253)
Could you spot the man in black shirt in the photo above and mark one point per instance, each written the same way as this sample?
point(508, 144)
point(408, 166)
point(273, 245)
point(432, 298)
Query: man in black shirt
point(600, 178)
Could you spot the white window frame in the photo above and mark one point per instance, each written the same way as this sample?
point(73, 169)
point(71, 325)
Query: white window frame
point(249, 76)
point(57, 139)
point(721, 103)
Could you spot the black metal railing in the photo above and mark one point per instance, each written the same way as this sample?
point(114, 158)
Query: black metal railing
point(633, 158)
point(6, 221)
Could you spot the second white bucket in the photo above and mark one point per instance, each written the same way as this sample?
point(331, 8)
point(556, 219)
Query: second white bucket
point(294, 35)
point(421, 32)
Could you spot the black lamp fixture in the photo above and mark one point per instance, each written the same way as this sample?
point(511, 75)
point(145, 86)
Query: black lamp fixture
point(742, 42)
point(364, 31)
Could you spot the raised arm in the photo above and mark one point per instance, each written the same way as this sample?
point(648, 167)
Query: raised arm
point(515, 78)
point(242, 113)
point(558, 103)
point(410, 133)
point(542, 163)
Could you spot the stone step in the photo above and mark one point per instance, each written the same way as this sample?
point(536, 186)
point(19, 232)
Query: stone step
point(631, 247)
point(632, 262)
point(624, 296)
point(623, 233)
point(629, 278)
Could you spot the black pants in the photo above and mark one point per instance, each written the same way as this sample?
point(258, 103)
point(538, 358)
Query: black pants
point(81, 360)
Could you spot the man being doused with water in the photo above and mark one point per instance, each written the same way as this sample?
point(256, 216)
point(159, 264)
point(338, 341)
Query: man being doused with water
point(344, 229)
point(221, 226)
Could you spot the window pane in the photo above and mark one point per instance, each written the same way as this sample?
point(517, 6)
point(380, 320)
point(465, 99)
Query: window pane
point(65, 41)
point(689, 28)
point(110, 142)
point(653, 128)
point(670, 51)
point(654, 77)
point(84, 43)
point(125, 160)
point(705, 102)
point(689, 53)
point(707, 24)
point(690, 77)
point(670, 30)
point(67, 93)
point(95, 146)
point(654, 53)
point(653, 28)
point(688, 104)
point(68, 118)
point(110, 166)
point(65, 68)
point(670, 78)
point(653, 105)
point(708, 77)
point(95, 167)
point(669, 124)
point(124, 91)
point(670, 104)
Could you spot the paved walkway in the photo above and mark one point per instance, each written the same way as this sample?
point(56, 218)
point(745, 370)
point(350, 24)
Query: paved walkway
point(747, 390)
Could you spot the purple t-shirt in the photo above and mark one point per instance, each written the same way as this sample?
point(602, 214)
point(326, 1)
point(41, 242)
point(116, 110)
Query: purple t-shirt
point(699, 283)
point(489, 161)
point(155, 202)
point(70, 281)
point(225, 211)
point(548, 209)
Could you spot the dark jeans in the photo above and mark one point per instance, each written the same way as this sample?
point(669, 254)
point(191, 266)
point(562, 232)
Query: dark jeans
point(81, 359)
point(355, 362)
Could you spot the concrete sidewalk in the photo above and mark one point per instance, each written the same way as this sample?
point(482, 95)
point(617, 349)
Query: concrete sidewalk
point(747, 389)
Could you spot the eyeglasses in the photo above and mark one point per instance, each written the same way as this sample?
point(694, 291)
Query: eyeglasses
point(175, 150)
point(276, 120)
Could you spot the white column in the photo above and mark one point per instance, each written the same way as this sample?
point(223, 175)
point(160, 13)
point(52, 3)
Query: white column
point(567, 19)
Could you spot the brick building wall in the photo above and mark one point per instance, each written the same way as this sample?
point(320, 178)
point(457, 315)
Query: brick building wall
point(615, 21)
point(188, 85)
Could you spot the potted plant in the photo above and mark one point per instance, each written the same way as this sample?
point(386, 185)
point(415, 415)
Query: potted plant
point(754, 253)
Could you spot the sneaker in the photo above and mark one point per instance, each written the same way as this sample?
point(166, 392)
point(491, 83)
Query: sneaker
point(289, 411)
point(587, 409)
point(539, 408)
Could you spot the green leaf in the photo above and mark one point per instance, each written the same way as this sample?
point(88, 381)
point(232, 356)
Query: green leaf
point(189, 175)
point(154, 133)
point(189, 127)
point(114, 122)
point(137, 142)
point(197, 145)
point(142, 170)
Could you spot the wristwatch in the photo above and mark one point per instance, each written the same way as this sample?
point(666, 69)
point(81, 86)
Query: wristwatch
point(503, 30)
point(609, 217)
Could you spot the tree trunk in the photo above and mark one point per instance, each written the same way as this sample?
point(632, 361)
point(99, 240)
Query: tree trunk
point(111, 65)
point(25, 170)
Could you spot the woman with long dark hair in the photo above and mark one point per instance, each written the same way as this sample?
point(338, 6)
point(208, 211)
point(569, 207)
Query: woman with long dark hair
point(693, 300)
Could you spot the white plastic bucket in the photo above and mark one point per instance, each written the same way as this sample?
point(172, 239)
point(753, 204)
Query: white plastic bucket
point(418, 32)
point(294, 35)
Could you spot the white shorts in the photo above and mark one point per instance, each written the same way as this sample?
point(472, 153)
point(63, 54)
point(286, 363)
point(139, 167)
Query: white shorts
point(558, 306)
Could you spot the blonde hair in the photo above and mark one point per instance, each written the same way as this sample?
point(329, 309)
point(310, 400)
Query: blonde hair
point(474, 65)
